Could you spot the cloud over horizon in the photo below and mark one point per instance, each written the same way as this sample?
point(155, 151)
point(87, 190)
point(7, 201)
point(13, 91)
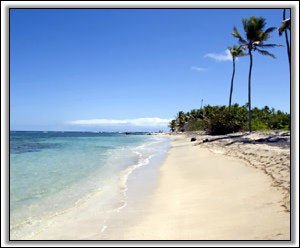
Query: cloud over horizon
point(140, 122)
point(195, 68)
point(226, 56)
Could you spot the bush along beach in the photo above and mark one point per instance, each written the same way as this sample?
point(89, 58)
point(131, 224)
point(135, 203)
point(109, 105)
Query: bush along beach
point(224, 119)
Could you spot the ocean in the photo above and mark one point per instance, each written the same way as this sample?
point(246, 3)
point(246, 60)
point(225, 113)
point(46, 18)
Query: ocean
point(51, 172)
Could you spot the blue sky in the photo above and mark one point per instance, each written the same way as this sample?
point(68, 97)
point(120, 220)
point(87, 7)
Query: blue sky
point(111, 70)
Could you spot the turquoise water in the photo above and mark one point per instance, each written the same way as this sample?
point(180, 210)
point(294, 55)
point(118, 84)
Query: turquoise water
point(53, 171)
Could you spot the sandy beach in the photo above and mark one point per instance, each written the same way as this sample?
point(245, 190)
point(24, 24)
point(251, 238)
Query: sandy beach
point(160, 123)
point(203, 193)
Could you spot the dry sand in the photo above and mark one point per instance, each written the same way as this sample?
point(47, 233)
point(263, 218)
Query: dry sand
point(268, 151)
point(202, 194)
point(208, 196)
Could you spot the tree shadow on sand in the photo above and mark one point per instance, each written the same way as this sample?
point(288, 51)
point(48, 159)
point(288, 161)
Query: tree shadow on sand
point(279, 140)
point(223, 138)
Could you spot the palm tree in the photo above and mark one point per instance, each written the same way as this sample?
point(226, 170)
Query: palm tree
point(235, 52)
point(286, 25)
point(172, 125)
point(254, 41)
point(181, 118)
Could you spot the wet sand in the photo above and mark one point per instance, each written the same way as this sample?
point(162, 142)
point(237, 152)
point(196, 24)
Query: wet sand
point(202, 194)
point(208, 196)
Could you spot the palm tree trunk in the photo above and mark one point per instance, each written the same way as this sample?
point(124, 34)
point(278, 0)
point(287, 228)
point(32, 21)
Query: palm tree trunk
point(287, 41)
point(249, 92)
point(231, 87)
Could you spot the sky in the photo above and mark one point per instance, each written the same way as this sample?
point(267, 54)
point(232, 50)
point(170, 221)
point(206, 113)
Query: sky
point(133, 70)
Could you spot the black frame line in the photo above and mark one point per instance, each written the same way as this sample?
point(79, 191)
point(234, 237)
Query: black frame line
point(145, 8)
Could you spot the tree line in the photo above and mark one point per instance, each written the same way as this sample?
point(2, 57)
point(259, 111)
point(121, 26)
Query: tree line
point(253, 40)
point(223, 120)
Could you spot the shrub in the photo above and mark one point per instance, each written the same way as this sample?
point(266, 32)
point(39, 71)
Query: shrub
point(194, 125)
point(259, 125)
point(223, 120)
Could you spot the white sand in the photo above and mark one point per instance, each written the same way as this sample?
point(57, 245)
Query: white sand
point(207, 196)
point(201, 196)
point(268, 151)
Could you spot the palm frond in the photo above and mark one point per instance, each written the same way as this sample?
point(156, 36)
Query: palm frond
point(270, 45)
point(230, 49)
point(241, 54)
point(264, 36)
point(236, 34)
point(256, 35)
point(266, 53)
point(260, 22)
point(236, 47)
point(254, 28)
point(286, 25)
point(245, 24)
point(236, 51)
point(239, 51)
point(269, 30)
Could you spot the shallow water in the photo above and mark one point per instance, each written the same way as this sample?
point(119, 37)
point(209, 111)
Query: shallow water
point(51, 172)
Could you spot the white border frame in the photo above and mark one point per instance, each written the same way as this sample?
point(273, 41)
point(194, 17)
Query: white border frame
point(5, 5)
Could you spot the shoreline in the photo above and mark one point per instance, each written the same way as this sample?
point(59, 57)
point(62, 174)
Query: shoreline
point(95, 213)
point(197, 192)
point(267, 151)
point(209, 196)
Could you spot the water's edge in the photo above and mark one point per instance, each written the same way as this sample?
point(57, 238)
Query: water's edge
point(141, 184)
point(126, 188)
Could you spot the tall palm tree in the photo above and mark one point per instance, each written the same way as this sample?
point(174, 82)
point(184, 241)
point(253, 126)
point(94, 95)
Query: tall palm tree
point(286, 25)
point(254, 41)
point(235, 52)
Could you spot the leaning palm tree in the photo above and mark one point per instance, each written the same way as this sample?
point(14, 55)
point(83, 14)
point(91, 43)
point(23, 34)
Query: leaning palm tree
point(286, 25)
point(235, 52)
point(254, 41)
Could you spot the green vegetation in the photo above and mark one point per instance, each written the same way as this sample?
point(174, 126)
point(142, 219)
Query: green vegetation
point(254, 41)
point(223, 120)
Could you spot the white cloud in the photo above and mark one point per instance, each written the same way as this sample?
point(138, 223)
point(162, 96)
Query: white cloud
point(226, 56)
point(195, 68)
point(142, 122)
